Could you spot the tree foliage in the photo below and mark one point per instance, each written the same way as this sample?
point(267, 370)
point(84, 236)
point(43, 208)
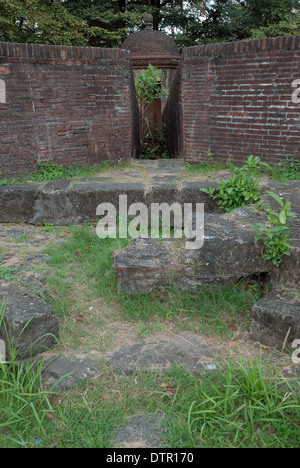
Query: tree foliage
point(40, 21)
point(231, 20)
point(106, 23)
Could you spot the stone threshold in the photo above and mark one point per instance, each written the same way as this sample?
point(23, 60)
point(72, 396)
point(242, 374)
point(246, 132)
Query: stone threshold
point(75, 201)
point(63, 202)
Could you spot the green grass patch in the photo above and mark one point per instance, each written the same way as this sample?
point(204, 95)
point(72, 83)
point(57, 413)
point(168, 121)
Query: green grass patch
point(244, 404)
point(206, 167)
point(82, 262)
point(48, 171)
point(7, 273)
point(24, 405)
point(210, 310)
point(287, 170)
point(283, 172)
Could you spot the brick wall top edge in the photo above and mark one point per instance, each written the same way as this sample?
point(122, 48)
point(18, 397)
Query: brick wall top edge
point(271, 44)
point(45, 52)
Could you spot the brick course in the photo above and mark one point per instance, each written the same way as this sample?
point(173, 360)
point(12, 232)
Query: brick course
point(234, 100)
point(66, 104)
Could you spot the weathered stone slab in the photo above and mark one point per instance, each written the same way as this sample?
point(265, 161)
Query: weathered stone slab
point(63, 202)
point(162, 355)
point(18, 202)
point(229, 254)
point(52, 205)
point(66, 373)
point(289, 271)
point(75, 201)
point(145, 265)
point(31, 324)
point(85, 198)
point(190, 193)
point(145, 431)
point(276, 319)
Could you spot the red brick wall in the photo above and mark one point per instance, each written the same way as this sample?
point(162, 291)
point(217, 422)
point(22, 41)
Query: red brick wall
point(66, 104)
point(173, 114)
point(235, 99)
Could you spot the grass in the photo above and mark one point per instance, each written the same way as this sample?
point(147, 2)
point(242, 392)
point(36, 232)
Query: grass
point(211, 310)
point(205, 167)
point(240, 406)
point(244, 404)
point(82, 272)
point(283, 172)
point(23, 404)
point(7, 273)
point(287, 170)
point(48, 171)
point(84, 260)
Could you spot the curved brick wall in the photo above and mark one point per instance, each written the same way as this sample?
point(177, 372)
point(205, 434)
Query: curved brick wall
point(237, 99)
point(69, 104)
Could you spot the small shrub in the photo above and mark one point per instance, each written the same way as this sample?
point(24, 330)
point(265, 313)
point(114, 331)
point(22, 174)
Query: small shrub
point(148, 88)
point(155, 145)
point(7, 273)
point(242, 189)
point(275, 235)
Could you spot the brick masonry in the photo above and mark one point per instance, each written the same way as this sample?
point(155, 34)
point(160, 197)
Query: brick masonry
point(237, 99)
point(66, 104)
point(78, 105)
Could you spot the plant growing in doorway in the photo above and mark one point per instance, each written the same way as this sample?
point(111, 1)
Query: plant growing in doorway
point(148, 88)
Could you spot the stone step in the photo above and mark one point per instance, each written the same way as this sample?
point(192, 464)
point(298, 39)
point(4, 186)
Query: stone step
point(63, 202)
point(276, 319)
point(229, 253)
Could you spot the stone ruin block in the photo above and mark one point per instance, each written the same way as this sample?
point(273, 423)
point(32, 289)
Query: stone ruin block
point(30, 325)
point(229, 254)
point(276, 319)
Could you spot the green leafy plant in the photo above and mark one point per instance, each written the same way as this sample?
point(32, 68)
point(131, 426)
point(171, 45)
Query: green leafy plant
point(148, 85)
point(48, 171)
point(254, 165)
point(276, 234)
point(155, 145)
point(7, 273)
point(148, 88)
point(242, 189)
